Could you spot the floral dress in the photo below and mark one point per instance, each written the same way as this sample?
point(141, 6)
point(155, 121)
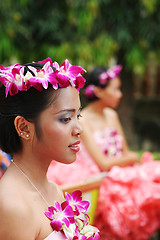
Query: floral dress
point(129, 198)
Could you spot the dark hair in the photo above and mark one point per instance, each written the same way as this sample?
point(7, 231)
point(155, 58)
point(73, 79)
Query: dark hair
point(28, 104)
point(92, 78)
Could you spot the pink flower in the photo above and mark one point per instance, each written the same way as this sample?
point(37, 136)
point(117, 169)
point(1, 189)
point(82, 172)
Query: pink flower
point(14, 79)
point(75, 200)
point(68, 74)
point(43, 76)
point(114, 71)
point(103, 78)
point(70, 217)
point(59, 215)
point(111, 73)
point(46, 60)
point(89, 91)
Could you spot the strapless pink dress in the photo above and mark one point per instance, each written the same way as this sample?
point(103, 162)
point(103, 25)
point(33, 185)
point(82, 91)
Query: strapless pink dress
point(129, 199)
point(56, 236)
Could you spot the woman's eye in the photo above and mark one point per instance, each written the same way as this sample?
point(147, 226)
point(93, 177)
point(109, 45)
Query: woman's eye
point(65, 120)
point(79, 115)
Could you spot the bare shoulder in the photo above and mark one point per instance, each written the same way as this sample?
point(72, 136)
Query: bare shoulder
point(15, 212)
point(111, 113)
point(56, 192)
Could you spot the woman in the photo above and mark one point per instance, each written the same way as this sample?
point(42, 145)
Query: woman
point(101, 124)
point(39, 112)
point(129, 194)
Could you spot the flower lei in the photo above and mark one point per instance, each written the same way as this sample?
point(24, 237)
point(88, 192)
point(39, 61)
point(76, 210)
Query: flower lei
point(70, 218)
point(111, 73)
point(110, 141)
point(14, 79)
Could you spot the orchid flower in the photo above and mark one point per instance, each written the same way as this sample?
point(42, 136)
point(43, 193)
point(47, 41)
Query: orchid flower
point(43, 76)
point(114, 71)
point(14, 79)
point(59, 216)
point(69, 74)
point(75, 200)
point(70, 218)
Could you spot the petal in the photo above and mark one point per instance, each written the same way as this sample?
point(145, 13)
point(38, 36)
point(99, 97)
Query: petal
point(68, 211)
point(13, 89)
point(33, 70)
point(56, 224)
point(96, 236)
point(68, 196)
point(56, 65)
point(45, 84)
point(46, 60)
point(58, 206)
point(63, 81)
point(75, 70)
point(48, 214)
point(65, 65)
point(64, 205)
point(51, 209)
point(85, 204)
point(15, 71)
point(77, 195)
point(79, 82)
point(66, 221)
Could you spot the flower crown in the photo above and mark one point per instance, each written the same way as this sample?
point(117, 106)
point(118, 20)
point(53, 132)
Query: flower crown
point(15, 78)
point(111, 73)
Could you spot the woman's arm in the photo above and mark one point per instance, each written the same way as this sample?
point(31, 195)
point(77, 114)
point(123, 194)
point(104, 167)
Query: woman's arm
point(16, 222)
point(103, 162)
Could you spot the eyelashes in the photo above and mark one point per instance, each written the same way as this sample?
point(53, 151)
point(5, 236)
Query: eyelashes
point(79, 116)
point(66, 119)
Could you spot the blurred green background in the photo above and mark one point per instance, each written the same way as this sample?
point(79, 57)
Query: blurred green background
point(91, 33)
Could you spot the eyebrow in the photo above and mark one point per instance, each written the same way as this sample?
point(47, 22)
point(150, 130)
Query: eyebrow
point(68, 110)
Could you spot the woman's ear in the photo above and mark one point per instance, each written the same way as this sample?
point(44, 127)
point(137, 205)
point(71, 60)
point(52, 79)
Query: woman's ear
point(23, 127)
point(98, 92)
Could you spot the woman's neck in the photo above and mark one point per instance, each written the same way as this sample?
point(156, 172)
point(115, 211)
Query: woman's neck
point(96, 107)
point(34, 168)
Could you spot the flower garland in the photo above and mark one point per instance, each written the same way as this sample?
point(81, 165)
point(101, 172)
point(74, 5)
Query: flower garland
point(110, 141)
point(111, 73)
point(70, 218)
point(15, 79)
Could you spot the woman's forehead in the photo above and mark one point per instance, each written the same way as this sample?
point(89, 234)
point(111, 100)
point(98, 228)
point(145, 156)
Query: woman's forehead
point(68, 98)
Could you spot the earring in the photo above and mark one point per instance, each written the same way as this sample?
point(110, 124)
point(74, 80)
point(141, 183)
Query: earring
point(21, 133)
point(27, 135)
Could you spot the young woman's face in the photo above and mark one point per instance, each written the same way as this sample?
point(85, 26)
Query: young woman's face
point(111, 95)
point(60, 129)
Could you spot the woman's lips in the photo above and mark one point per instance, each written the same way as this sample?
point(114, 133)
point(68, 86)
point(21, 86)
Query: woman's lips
point(75, 146)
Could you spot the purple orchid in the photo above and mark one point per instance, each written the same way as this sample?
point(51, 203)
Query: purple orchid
point(89, 91)
point(59, 216)
point(14, 79)
point(68, 74)
point(114, 71)
point(43, 76)
point(111, 73)
point(70, 217)
point(103, 78)
point(75, 200)
point(47, 60)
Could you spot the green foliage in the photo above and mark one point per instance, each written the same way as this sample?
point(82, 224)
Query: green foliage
point(87, 32)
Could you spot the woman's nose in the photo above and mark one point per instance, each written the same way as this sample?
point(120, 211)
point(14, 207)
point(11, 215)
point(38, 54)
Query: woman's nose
point(77, 129)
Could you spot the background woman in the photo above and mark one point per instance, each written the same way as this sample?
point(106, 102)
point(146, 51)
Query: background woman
point(123, 199)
